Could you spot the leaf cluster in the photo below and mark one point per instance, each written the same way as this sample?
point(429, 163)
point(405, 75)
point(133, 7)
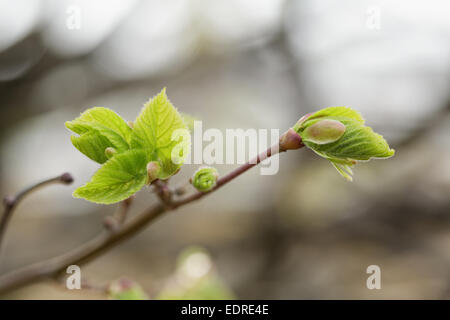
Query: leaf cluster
point(159, 134)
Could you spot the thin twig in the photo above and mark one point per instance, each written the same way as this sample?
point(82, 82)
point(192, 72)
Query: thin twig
point(53, 267)
point(231, 175)
point(163, 191)
point(122, 212)
point(118, 218)
point(11, 202)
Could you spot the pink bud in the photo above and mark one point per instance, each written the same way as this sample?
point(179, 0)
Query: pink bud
point(153, 169)
point(290, 140)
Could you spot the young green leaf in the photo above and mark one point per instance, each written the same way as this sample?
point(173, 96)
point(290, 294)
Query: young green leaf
point(156, 130)
point(99, 128)
point(93, 145)
point(119, 178)
point(359, 142)
point(105, 117)
point(324, 133)
point(337, 112)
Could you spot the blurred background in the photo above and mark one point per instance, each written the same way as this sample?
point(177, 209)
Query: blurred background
point(304, 233)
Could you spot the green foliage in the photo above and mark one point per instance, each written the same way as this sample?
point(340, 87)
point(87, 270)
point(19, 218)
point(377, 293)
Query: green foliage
point(205, 288)
point(159, 140)
point(159, 135)
point(119, 178)
point(125, 289)
point(339, 135)
point(158, 130)
point(195, 279)
point(99, 128)
point(204, 179)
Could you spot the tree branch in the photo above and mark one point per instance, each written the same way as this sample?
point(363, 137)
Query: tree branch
point(232, 175)
point(11, 202)
point(53, 267)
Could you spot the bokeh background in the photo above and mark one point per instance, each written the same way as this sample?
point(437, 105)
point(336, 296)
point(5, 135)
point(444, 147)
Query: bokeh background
point(304, 233)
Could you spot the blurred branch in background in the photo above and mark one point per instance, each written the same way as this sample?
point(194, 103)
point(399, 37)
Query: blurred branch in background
point(11, 202)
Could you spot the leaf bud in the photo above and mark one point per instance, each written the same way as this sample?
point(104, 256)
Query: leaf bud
point(340, 135)
point(290, 140)
point(153, 170)
point(66, 178)
point(110, 152)
point(324, 131)
point(205, 178)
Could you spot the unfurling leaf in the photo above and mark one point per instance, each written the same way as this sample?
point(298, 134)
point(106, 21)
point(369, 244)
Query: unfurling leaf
point(110, 152)
point(99, 128)
point(119, 178)
point(324, 131)
point(159, 129)
point(204, 179)
point(339, 135)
